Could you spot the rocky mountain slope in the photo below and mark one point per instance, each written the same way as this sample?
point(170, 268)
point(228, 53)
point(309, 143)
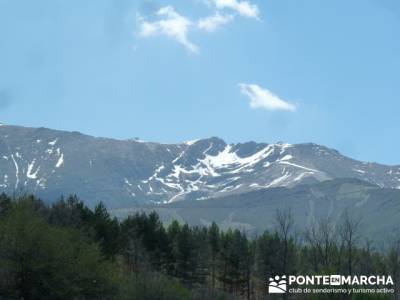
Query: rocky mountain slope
point(127, 173)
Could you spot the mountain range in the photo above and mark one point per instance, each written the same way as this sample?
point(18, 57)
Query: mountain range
point(124, 173)
point(231, 180)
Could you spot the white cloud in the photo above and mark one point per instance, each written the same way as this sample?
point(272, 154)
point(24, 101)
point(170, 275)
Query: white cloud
point(213, 22)
point(263, 98)
point(171, 24)
point(244, 8)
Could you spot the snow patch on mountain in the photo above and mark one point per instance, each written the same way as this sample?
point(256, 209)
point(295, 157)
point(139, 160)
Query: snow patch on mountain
point(192, 142)
point(229, 158)
point(297, 166)
point(52, 143)
point(279, 181)
point(16, 171)
point(60, 161)
point(30, 174)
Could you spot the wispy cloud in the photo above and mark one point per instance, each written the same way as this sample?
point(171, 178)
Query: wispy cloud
point(214, 22)
point(244, 8)
point(170, 24)
point(261, 98)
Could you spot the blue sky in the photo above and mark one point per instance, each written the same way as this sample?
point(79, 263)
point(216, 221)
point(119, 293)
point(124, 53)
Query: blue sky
point(271, 70)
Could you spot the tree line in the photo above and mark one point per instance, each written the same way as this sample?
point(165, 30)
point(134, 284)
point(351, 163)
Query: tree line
point(67, 251)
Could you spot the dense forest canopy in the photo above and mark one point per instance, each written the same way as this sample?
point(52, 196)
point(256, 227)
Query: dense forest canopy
point(68, 251)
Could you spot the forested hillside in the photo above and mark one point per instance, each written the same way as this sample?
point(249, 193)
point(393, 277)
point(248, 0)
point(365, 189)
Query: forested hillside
point(67, 251)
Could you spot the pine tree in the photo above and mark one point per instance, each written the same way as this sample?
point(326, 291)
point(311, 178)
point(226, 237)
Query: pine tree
point(183, 252)
point(214, 244)
point(107, 231)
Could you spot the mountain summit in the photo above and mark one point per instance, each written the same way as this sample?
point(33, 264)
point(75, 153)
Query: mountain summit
point(125, 173)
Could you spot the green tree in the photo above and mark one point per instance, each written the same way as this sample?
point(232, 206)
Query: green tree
point(106, 231)
point(214, 244)
point(38, 261)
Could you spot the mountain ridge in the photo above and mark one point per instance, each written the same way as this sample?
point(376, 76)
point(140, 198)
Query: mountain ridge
point(129, 172)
